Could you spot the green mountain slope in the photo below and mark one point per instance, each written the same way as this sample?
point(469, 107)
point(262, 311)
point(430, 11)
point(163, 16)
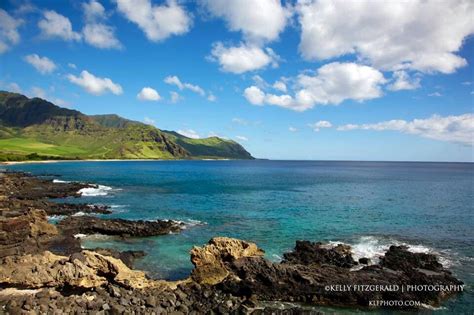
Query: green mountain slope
point(37, 129)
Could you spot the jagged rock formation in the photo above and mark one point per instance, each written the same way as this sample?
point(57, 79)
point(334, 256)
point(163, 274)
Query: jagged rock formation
point(210, 259)
point(118, 227)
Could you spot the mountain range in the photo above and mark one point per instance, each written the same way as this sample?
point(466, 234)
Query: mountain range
point(35, 129)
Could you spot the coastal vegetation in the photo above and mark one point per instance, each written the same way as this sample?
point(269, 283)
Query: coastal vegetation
point(35, 129)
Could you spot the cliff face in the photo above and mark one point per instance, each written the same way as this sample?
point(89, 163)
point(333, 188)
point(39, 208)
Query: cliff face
point(37, 129)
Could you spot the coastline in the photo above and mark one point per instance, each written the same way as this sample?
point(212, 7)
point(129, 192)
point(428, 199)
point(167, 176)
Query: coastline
point(104, 160)
point(227, 275)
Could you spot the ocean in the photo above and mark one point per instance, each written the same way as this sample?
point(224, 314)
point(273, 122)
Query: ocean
point(369, 205)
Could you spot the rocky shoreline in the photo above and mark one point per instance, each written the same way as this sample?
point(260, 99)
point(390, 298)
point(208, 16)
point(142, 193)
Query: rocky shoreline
point(44, 270)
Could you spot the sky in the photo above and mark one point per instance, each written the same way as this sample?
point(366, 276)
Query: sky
point(302, 79)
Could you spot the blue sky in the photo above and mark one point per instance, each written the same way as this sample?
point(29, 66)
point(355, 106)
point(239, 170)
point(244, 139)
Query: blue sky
point(288, 80)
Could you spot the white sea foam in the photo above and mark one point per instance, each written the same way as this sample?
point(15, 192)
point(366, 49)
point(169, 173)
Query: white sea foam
point(100, 190)
point(59, 181)
point(78, 214)
point(55, 218)
point(375, 247)
point(79, 235)
point(190, 223)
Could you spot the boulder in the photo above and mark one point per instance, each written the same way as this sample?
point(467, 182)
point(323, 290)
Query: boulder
point(209, 260)
point(85, 270)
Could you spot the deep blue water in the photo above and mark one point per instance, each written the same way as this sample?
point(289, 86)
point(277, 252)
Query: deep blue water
point(273, 203)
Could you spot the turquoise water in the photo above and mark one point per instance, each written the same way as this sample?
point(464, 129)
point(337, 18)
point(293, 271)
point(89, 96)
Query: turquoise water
point(369, 205)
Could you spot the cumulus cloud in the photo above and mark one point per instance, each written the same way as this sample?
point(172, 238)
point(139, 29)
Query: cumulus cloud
point(211, 97)
point(243, 58)
point(390, 35)
point(157, 21)
point(93, 10)
point(55, 25)
point(261, 20)
point(402, 81)
point(189, 133)
point(458, 129)
point(100, 35)
point(175, 97)
point(37, 92)
point(174, 80)
point(330, 85)
point(44, 65)
point(241, 138)
point(95, 31)
point(149, 121)
point(14, 87)
point(280, 86)
point(95, 85)
point(148, 94)
point(9, 34)
point(72, 65)
point(436, 94)
point(292, 129)
point(254, 95)
point(319, 125)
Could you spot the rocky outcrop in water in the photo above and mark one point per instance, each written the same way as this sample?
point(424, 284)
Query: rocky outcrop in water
point(323, 275)
point(209, 261)
point(45, 270)
point(118, 227)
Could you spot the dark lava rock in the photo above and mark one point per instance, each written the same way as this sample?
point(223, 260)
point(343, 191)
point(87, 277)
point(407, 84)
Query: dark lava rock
point(118, 227)
point(307, 253)
point(364, 261)
point(399, 258)
point(323, 277)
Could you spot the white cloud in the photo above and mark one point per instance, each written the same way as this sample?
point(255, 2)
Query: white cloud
point(37, 92)
point(467, 83)
point(72, 66)
point(93, 10)
point(243, 58)
point(148, 94)
point(43, 64)
point(95, 32)
point(14, 87)
point(319, 125)
point(189, 133)
point(149, 121)
point(61, 102)
point(280, 86)
point(9, 34)
point(100, 36)
point(390, 35)
point(436, 94)
point(175, 97)
point(403, 81)
point(157, 21)
point(458, 129)
point(174, 80)
point(292, 129)
point(330, 85)
point(95, 85)
point(254, 95)
point(240, 121)
point(261, 20)
point(241, 138)
point(54, 25)
point(211, 97)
